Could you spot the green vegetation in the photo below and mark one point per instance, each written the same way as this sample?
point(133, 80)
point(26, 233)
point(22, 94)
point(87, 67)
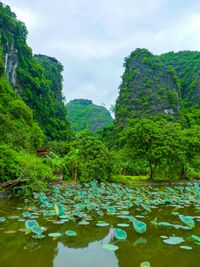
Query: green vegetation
point(172, 79)
point(84, 115)
point(155, 135)
point(37, 80)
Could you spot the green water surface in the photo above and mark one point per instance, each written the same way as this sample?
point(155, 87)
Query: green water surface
point(85, 249)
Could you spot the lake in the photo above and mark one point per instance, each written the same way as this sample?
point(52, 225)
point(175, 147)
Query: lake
point(94, 212)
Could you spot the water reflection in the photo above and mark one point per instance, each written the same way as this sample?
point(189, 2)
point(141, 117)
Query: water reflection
point(93, 256)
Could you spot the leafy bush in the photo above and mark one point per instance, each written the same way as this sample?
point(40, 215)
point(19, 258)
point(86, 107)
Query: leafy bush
point(9, 165)
point(88, 159)
point(34, 172)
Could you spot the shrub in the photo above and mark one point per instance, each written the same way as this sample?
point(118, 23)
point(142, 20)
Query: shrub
point(9, 165)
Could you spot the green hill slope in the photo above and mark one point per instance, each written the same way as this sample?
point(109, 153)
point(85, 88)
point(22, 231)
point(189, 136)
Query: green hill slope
point(84, 115)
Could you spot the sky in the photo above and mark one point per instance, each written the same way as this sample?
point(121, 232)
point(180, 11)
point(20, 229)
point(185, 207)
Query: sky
point(91, 38)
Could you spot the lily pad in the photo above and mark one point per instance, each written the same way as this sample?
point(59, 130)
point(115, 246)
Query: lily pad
point(54, 234)
point(139, 226)
point(59, 209)
point(173, 240)
point(26, 214)
point(102, 223)
point(123, 224)
point(187, 220)
point(186, 247)
point(70, 233)
point(145, 264)
point(83, 222)
point(2, 219)
point(110, 247)
point(120, 234)
point(195, 237)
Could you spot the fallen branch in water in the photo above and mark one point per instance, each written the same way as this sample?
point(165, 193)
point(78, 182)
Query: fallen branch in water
point(11, 183)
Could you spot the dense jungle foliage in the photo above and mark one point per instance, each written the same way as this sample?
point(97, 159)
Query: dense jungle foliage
point(156, 133)
point(84, 115)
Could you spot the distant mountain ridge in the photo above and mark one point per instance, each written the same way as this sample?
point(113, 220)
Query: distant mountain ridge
point(84, 115)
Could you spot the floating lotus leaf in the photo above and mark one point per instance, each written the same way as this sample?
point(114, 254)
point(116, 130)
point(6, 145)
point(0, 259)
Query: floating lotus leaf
point(186, 247)
point(54, 234)
point(120, 234)
point(123, 224)
point(102, 223)
point(139, 226)
point(110, 247)
point(80, 206)
point(164, 224)
point(59, 209)
point(175, 213)
point(60, 222)
point(83, 222)
point(2, 219)
point(70, 233)
point(187, 220)
point(64, 216)
point(26, 214)
point(195, 237)
point(31, 223)
point(100, 213)
point(43, 199)
point(37, 230)
point(145, 264)
point(111, 209)
point(33, 226)
point(56, 190)
point(173, 240)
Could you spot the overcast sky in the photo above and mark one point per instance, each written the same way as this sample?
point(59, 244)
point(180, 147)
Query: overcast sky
point(92, 37)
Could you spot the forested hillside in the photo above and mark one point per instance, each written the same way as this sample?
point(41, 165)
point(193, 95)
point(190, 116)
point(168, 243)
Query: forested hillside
point(34, 82)
point(84, 115)
point(31, 106)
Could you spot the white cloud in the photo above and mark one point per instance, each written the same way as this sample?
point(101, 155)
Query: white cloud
point(26, 15)
point(92, 37)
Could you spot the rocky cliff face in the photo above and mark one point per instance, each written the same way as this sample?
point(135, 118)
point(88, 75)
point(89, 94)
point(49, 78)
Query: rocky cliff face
point(158, 85)
point(11, 63)
point(53, 72)
point(147, 88)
